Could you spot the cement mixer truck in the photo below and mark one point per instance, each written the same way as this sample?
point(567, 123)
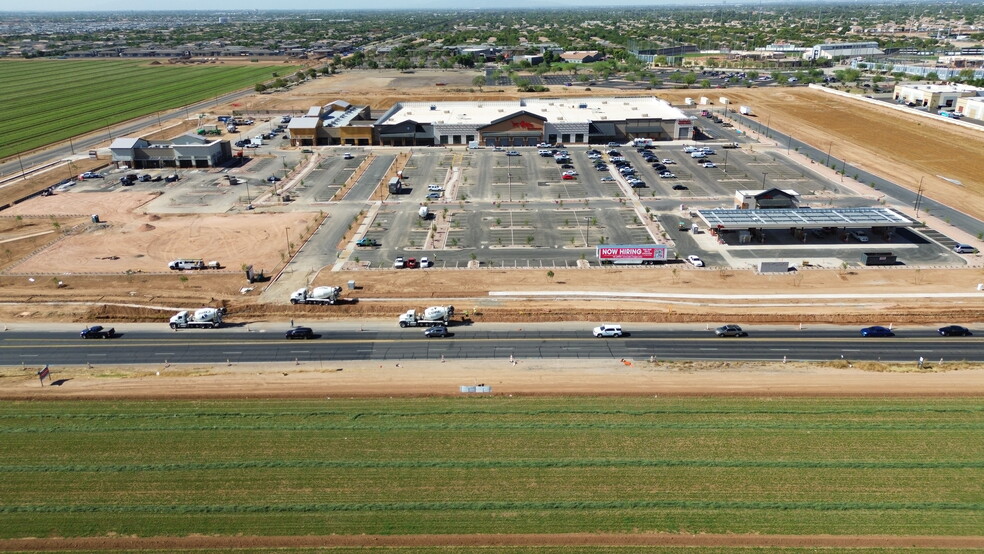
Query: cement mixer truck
point(203, 317)
point(435, 315)
point(318, 295)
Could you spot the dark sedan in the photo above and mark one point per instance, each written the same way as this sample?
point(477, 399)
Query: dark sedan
point(954, 331)
point(299, 333)
point(877, 331)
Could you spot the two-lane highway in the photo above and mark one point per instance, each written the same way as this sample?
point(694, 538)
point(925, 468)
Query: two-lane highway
point(239, 345)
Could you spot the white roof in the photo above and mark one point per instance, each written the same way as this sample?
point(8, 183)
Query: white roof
point(304, 123)
point(944, 88)
point(313, 111)
point(554, 110)
point(127, 142)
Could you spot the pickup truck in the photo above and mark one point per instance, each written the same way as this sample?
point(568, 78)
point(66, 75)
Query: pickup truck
point(366, 242)
point(97, 332)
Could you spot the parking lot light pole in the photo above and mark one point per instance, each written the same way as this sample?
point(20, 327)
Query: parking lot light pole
point(587, 231)
point(763, 178)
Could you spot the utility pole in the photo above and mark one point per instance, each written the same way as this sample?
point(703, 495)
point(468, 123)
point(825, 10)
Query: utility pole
point(919, 196)
point(829, 148)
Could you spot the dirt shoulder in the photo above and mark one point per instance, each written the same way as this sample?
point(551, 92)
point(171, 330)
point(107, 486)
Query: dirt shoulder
point(506, 377)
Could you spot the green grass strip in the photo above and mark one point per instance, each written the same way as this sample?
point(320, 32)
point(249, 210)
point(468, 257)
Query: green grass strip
point(500, 506)
point(488, 464)
point(813, 426)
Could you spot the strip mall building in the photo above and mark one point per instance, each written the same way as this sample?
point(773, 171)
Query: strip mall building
point(527, 122)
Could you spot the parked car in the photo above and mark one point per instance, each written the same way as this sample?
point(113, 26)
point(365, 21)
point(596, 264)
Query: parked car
point(435, 188)
point(680, 187)
point(366, 242)
point(709, 164)
point(299, 333)
point(668, 161)
point(97, 332)
point(171, 178)
point(568, 177)
point(425, 262)
point(412, 263)
point(607, 179)
point(399, 263)
point(954, 331)
point(437, 331)
point(434, 195)
point(273, 178)
point(92, 175)
point(695, 261)
point(667, 175)
point(512, 153)
point(964, 249)
point(607, 330)
point(567, 166)
point(347, 156)
point(860, 235)
point(877, 331)
point(730, 331)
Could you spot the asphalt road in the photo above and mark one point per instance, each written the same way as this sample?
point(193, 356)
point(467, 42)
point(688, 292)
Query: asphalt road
point(481, 341)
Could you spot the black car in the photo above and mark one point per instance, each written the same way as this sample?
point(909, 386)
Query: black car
point(97, 332)
point(679, 187)
point(299, 333)
point(954, 331)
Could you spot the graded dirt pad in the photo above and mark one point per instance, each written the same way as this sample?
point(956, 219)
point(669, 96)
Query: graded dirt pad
point(498, 540)
point(131, 240)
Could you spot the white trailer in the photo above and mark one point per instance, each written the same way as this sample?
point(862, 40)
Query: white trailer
point(318, 295)
point(745, 110)
point(208, 318)
point(435, 315)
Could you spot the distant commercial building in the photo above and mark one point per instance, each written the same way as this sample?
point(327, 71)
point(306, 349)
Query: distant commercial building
point(527, 122)
point(582, 56)
point(834, 51)
point(186, 151)
point(934, 97)
point(971, 106)
point(336, 123)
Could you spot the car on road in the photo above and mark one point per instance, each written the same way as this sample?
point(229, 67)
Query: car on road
point(97, 332)
point(964, 249)
point(299, 333)
point(877, 331)
point(607, 330)
point(434, 195)
point(695, 261)
point(512, 153)
point(709, 164)
point(399, 263)
point(437, 331)
point(680, 187)
point(730, 331)
point(954, 331)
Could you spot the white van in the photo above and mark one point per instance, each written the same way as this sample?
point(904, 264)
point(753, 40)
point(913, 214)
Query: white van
point(607, 330)
point(964, 249)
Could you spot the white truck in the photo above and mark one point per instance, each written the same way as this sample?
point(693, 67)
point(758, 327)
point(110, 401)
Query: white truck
point(435, 315)
point(317, 295)
point(423, 212)
point(745, 110)
point(202, 317)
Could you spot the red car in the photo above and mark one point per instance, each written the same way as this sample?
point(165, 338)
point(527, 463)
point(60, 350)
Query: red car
point(567, 177)
point(412, 263)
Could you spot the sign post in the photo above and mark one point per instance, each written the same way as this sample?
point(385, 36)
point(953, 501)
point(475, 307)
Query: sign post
point(45, 372)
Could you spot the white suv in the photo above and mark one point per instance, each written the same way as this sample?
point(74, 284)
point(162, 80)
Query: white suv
point(435, 188)
point(607, 330)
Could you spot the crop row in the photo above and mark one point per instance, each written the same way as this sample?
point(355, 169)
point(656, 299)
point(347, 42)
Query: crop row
point(494, 464)
point(482, 506)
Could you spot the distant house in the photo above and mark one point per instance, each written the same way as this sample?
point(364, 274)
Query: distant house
point(184, 151)
point(582, 56)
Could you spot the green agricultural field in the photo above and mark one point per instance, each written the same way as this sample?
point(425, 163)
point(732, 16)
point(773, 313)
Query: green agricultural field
point(492, 465)
point(46, 101)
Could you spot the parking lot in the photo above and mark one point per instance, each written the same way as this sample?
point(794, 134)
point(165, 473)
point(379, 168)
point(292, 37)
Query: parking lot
point(489, 207)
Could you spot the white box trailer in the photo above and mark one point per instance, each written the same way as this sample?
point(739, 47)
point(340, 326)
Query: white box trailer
point(631, 254)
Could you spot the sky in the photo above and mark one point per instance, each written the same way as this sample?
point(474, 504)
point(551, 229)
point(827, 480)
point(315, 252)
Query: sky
point(224, 5)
